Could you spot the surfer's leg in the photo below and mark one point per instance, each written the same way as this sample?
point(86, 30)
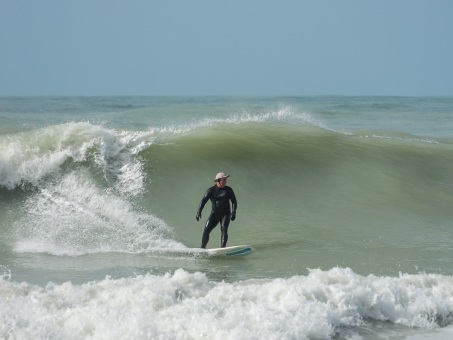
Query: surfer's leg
point(225, 222)
point(211, 223)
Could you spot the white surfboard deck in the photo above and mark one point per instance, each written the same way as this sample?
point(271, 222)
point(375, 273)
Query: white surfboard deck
point(230, 251)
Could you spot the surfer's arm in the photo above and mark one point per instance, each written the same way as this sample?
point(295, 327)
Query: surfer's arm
point(205, 198)
point(234, 205)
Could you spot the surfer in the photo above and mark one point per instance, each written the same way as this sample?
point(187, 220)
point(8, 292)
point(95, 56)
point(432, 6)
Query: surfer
point(220, 195)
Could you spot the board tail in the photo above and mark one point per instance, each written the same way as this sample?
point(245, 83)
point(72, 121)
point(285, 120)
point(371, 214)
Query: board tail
point(244, 251)
point(231, 251)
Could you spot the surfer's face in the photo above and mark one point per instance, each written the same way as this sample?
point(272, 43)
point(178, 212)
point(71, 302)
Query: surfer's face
point(221, 182)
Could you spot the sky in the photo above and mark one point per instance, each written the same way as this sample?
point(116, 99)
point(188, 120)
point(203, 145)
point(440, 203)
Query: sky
point(234, 47)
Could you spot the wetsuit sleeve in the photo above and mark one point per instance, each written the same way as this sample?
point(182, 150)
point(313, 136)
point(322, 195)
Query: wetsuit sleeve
point(234, 203)
point(205, 198)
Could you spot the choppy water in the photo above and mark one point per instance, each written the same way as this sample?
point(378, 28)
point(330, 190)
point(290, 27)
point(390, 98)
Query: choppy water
point(347, 202)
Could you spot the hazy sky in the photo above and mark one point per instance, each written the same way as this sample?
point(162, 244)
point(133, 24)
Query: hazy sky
point(232, 47)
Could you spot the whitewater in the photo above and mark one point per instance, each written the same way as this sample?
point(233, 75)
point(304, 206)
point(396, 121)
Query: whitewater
point(346, 201)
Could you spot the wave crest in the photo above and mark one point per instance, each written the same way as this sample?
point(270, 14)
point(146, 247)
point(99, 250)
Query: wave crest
point(30, 157)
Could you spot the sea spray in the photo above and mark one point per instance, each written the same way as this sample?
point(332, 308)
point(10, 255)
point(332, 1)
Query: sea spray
point(74, 217)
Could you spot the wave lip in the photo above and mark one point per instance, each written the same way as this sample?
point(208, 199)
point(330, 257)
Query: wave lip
point(30, 157)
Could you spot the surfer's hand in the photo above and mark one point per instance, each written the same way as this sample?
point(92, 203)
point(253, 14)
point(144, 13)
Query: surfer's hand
point(233, 216)
point(198, 215)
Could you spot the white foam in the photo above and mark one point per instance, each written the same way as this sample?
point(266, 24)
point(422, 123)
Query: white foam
point(187, 306)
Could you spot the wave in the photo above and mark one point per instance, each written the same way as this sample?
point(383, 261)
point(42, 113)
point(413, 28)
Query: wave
point(86, 178)
point(33, 157)
point(29, 157)
point(306, 153)
point(323, 304)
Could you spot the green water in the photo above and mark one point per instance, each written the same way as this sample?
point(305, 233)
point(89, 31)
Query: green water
point(311, 198)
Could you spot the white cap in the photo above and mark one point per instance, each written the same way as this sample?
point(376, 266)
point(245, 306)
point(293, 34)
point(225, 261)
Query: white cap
point(220, 175)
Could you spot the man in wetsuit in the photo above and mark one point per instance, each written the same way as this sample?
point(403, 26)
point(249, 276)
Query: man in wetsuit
point(220, 195)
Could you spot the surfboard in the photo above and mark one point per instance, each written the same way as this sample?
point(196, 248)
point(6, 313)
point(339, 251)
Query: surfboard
point(230, 251)
point(241, 250)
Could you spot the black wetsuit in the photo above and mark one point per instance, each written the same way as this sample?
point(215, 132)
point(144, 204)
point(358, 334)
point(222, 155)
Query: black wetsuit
point(220, 212)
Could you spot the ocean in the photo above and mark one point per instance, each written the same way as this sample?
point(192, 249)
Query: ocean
point(347, 201)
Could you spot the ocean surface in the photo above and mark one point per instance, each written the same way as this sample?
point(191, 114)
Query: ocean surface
point(347, 201)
